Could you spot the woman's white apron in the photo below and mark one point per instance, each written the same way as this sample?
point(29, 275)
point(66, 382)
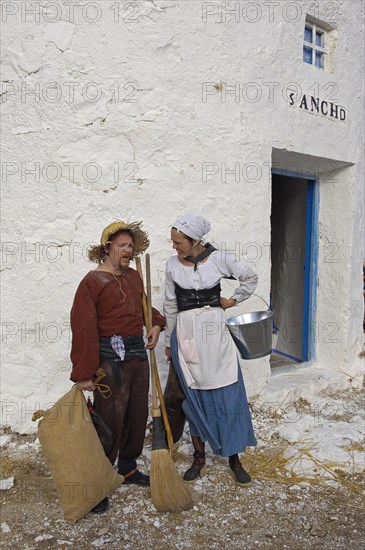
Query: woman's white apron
point(207, 353)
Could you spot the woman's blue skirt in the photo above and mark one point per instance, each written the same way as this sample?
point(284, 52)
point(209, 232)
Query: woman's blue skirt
point(220, 416)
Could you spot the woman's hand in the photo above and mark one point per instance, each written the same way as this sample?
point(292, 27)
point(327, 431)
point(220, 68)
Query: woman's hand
point(87, 385)
point(227, 302)
point(153, 336)
point(168, 353)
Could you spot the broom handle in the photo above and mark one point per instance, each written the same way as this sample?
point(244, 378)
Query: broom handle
point(155, 407)
point(154, 371)
point(155, 376)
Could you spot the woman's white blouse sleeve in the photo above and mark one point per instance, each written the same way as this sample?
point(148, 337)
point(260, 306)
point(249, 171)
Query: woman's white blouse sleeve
point(242, 272)
point(170, 305)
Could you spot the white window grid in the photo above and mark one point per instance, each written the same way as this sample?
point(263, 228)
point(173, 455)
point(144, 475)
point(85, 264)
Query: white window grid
point(315, 45)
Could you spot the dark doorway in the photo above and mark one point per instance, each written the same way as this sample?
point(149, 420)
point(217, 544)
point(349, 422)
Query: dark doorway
point(291, 245)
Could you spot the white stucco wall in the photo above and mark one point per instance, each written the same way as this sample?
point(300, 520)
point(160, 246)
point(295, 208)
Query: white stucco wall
point(127, 116)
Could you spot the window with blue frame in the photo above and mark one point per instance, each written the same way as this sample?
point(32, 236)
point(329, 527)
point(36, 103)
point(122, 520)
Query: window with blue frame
point(314, 47)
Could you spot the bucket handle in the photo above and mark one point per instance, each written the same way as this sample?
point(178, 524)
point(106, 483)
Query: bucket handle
point(261, 298)
point(253, 294)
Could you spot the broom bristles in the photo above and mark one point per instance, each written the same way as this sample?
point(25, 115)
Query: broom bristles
point(168, 491)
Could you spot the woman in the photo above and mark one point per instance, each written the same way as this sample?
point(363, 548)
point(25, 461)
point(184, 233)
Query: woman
point(203, 353)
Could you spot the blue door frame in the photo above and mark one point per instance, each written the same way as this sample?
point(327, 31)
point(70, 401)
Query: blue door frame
point(310, 266)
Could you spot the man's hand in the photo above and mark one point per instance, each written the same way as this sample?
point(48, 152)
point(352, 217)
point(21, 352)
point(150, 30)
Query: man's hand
point(86, 385)
point(152, 336)
point(227, 302)
point(168, 353)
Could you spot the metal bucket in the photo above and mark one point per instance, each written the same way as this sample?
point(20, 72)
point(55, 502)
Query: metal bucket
point(252, 333)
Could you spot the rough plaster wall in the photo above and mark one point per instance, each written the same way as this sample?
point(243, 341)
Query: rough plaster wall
point(338, 327)
point(160, 144)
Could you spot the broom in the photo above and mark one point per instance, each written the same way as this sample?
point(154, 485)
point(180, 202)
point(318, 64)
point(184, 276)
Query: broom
point(168, 491)
point(148, 322)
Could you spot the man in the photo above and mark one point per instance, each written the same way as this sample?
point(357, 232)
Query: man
point(107, 332)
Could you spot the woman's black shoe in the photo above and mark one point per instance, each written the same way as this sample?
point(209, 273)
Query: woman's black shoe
point(196, 468)
point(240, 473)
point(101, 507)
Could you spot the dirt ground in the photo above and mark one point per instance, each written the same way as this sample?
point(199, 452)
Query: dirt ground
point(277, 510)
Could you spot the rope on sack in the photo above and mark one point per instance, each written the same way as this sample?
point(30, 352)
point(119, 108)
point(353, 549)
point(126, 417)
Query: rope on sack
point(104, 389)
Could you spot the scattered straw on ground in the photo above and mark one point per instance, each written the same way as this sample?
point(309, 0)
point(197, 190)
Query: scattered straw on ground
point(273, 464)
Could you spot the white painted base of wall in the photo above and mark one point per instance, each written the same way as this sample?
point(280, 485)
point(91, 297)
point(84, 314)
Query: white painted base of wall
point(308, 380)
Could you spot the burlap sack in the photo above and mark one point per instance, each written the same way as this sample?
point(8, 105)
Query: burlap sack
point(80, 469)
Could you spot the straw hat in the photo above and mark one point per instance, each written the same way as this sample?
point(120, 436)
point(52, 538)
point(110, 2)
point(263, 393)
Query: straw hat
point(96, 253)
